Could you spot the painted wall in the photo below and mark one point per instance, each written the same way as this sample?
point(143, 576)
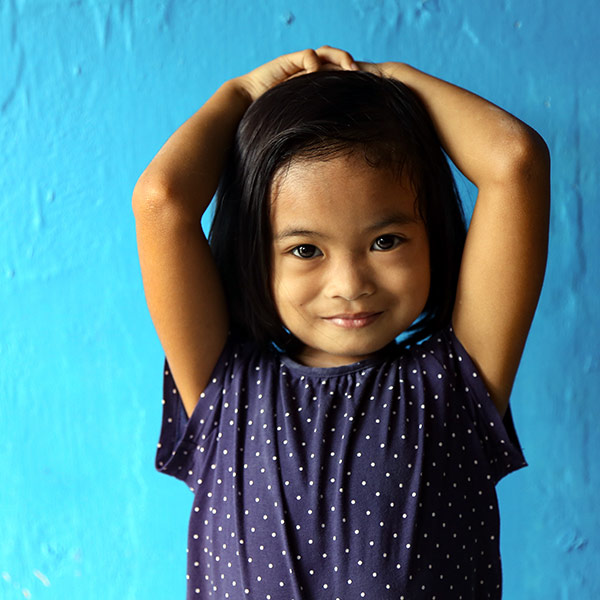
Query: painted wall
point(89, 90)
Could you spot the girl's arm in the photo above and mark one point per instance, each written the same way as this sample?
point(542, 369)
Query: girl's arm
point(505, 253)
point(181, 283)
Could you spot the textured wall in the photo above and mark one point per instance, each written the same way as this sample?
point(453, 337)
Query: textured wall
point(88, 92)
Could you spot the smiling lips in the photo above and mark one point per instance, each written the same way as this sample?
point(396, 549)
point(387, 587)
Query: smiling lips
point(353, 321)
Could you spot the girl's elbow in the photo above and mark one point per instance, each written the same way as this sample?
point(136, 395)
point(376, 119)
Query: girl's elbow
point(529, 154)
point(522, 157)
point(146, 197)
point(154, 199)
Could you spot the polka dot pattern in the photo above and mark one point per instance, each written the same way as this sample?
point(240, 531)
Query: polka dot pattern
point(371, 480)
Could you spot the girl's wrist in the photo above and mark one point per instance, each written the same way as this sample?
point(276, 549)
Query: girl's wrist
point(239, 92)
point(398, 70)
point(393, 70)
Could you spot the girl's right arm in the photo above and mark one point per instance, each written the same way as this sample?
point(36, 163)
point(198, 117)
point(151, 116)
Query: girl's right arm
point(181, 282)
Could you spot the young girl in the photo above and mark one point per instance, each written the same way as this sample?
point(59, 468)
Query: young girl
point(328, 459)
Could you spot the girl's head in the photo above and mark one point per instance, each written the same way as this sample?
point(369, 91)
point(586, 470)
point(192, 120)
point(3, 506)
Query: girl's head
point(336, 128)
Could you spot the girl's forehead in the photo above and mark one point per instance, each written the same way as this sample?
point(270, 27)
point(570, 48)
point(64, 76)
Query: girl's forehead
point(337, 188)
point(339, 164)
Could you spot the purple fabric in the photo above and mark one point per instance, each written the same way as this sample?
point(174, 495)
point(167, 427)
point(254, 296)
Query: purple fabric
point(374, 480)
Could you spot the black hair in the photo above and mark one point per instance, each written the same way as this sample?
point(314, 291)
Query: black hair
point(318, 116)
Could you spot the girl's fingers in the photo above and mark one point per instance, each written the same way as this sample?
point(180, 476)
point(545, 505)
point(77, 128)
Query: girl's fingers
point(310, 61)
point(337, 57)
point(263, 78)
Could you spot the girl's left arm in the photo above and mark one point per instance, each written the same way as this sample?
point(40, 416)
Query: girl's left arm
point(504, 259)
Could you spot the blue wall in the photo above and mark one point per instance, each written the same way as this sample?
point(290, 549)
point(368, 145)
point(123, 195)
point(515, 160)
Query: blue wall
point(89, 90)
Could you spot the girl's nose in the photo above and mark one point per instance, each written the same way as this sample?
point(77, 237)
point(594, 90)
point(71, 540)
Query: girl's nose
point(350, 280)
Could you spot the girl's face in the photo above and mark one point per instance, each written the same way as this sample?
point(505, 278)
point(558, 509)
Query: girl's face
point(350, 258)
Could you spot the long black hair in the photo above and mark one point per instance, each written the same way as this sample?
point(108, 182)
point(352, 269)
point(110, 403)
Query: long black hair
point(315, 117)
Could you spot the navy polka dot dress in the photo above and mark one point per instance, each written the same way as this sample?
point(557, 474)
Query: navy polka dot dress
point(373, 480)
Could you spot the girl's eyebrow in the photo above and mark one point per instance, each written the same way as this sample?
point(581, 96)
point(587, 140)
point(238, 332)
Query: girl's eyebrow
point(399, 218)
point(291, 232)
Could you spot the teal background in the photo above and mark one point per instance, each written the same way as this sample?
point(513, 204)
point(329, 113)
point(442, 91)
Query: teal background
point(89, 91)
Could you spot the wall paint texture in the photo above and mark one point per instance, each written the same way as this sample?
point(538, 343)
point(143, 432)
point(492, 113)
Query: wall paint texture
point(89, 90)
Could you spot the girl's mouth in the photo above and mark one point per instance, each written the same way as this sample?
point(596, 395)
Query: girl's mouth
point(353, 321)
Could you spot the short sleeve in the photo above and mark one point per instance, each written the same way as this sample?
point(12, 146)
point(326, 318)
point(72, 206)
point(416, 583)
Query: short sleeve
point(181, 437)
point(497, 435)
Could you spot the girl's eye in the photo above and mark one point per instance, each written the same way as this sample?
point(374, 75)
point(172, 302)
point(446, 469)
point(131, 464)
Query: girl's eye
point(386, 242)
point(306, 251)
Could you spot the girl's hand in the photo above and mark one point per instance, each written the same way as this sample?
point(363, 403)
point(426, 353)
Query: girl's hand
point(375, 68)
point(258, 81)
point(385, 69)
